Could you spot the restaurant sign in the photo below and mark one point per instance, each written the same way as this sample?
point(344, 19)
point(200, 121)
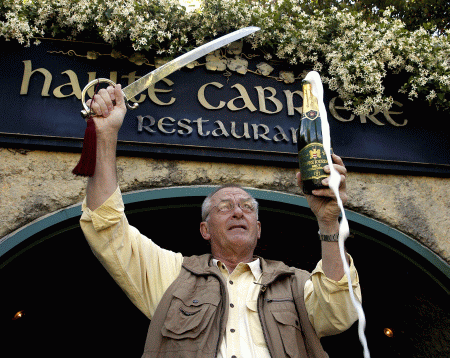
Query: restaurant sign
point(206, 115)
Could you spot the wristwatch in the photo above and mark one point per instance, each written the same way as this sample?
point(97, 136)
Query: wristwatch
point(329, 238)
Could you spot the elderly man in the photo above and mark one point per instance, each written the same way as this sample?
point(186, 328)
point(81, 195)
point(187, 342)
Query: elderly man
point(229, 303)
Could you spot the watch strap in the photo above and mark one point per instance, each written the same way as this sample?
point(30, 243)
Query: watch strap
point(329, 238)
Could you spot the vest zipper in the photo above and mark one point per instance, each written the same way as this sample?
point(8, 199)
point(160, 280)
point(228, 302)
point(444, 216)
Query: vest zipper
point(264, 329)
point(224, 296)
point(279, 300)
point(260, 306)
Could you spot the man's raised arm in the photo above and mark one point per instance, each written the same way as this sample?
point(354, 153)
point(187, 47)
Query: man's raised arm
point(109, 107)
point(327, 300)
point(141, 268)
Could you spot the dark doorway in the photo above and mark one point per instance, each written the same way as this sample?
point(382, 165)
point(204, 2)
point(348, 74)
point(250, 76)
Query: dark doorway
point(71, 305)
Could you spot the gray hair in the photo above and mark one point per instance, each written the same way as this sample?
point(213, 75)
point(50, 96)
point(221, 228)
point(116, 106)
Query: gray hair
point(206, 206)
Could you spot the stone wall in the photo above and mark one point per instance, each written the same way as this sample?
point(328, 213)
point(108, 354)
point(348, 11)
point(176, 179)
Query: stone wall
point(35, 183)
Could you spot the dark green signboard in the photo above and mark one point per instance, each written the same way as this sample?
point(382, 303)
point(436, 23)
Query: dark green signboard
point(204, 114)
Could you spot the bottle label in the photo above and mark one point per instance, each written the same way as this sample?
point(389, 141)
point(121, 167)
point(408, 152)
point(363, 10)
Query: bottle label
point(312, 114)
point(312, 159)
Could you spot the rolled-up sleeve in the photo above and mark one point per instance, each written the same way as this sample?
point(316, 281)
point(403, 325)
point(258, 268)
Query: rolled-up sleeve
point(328, 302)
point(140, 267)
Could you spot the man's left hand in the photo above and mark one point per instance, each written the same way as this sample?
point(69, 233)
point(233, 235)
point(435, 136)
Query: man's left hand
point(323, 202)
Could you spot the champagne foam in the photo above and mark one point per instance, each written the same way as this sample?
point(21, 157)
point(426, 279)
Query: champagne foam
point(335, 178)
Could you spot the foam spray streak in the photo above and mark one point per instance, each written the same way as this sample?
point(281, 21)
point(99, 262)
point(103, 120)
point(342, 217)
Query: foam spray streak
point(335, 178)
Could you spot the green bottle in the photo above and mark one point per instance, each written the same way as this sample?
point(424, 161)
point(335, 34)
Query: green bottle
point(311, 154)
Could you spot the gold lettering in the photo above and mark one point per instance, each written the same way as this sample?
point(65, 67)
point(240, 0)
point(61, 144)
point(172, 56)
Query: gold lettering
point(93, 76)
point(256, 133)
point(76, 90)
point(220, 131)
point(187, 127)
point(294, 134)
point(272, 98)
point(246, 134)
point(372, 118)
point(161, 125)
point(202, 99)
point(27, 73)
point(167, 125)
point(390, 120)
point(200, 122)
point(152, 93)
point(141, 123)
point(318, 161)
point(131, 78)
point(244, 96)
point(281, 135)
point(290, 102)
point(335, 114)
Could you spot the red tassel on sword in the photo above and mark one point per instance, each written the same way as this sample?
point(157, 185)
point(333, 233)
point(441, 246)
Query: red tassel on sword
point(86, 165)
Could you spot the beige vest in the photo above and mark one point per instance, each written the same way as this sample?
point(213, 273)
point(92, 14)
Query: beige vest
point(191, 318)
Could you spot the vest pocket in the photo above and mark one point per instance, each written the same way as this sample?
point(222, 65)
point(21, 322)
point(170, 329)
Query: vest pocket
point(189, 313)
point(289, 327)
point(255, 324)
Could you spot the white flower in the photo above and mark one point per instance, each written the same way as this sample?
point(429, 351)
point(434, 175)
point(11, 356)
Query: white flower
point(431, 95)
point(351, 55)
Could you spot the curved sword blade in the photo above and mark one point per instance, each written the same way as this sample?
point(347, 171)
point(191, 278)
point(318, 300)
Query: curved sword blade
point(146, 81)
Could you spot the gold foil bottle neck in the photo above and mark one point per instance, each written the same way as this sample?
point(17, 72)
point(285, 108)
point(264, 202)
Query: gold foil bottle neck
point(309, 100)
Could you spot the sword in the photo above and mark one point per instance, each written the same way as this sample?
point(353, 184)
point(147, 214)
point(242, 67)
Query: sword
point(149, 79)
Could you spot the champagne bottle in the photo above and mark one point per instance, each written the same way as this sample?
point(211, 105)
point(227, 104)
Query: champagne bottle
point(311, 154)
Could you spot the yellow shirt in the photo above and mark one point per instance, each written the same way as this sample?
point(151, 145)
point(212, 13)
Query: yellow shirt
point(144, 271)
point(243, 336)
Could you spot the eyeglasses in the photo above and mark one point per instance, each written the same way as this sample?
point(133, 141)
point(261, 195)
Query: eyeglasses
point(225, 206)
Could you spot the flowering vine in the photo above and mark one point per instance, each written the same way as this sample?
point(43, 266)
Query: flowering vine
point(353, 57)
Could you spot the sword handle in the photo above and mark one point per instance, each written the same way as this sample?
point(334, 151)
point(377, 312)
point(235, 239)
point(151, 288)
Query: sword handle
point(86, 112)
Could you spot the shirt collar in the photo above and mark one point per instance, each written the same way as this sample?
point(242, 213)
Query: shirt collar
point(254, 266)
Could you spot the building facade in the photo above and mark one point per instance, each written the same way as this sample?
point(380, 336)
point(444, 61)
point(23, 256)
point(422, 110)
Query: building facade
point(177, 147)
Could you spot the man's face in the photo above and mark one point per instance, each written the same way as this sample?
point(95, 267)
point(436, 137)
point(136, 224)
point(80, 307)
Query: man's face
point(233, 231)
